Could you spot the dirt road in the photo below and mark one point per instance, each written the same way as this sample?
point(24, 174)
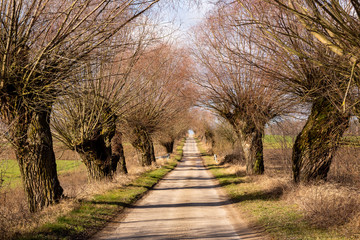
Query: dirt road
point(186, 204)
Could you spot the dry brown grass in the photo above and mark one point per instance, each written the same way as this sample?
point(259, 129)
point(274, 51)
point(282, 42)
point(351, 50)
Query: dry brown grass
point(334, 204)
point(331, 204)
point(345, 168)
point(326, 205)
point(14, 215)
point(237, 169)
point(278, 162)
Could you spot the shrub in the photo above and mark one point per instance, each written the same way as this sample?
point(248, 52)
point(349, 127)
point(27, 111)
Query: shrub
point(327, 205)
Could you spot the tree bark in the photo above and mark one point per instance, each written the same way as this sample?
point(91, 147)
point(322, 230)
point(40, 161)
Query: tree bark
point(252, 147)
point(169, 146)
point(118, 153)
point(97, 157)
point(145, 147)
point(152, 154)
point(35, 155)
point(96, 153)
point(317, 143)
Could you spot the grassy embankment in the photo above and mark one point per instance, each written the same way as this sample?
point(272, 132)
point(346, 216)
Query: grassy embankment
point(92, 215)
point(261, 200)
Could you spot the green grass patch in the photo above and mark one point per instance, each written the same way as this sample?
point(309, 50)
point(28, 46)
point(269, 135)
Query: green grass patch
point(91, 216)
point(278, 141)
point(11, 173)
point(265, 207)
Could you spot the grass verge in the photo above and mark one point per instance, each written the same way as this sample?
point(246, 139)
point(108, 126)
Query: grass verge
point(263, 205)
point(92, 215)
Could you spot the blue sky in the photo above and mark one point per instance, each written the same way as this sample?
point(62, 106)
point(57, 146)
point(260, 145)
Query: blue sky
point(184, 17)
point(189, 17)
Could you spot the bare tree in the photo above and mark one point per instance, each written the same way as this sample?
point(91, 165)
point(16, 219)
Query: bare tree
point(336, 25)
point(304, 69)
point(161, 79)
point(86, 118)
point(232, 87)
point(176, 130)
point(86, 122)
point(42, 44)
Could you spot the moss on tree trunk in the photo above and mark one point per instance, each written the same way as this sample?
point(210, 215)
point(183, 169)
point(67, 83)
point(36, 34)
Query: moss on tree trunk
point(250, 136)
point(252, 147)
point(36, 159)
point(318, 141)
point(96, 153)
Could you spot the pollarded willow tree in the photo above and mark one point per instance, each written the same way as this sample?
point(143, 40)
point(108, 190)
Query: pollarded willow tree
point(336, 25)
point(177, 127)
point(168, 135)
point(160, 75)
point(232, 87)
point(86, 119)
point(42, 44)
point(332, 22)
point(306, 69)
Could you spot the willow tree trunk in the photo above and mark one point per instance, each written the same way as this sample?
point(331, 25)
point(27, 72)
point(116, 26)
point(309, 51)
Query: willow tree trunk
point(35, 155)
point(318, 141)
point(118, 153)
point(96, 155)
point(153, 158)
point(169, 146)
point(252, 147)
point(145, 147)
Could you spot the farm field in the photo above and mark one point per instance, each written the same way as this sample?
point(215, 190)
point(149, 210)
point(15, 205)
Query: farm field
point(278, 141)
point(10, 173)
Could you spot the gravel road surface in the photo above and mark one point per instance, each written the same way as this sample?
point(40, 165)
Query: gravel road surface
point(186, 204)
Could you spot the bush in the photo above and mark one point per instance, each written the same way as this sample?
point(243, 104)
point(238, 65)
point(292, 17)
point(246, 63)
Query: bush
point(327, 205)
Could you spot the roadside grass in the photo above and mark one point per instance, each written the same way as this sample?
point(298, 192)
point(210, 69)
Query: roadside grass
point(11, 172)
point(261, 200)
point(89, 216)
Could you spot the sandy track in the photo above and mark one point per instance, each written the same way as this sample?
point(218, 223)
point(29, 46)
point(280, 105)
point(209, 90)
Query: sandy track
point(186, 204)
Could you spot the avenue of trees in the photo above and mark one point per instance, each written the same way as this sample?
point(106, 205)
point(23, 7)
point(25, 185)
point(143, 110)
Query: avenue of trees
point(96, 73)
point(261, 60)
point(68, 68)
